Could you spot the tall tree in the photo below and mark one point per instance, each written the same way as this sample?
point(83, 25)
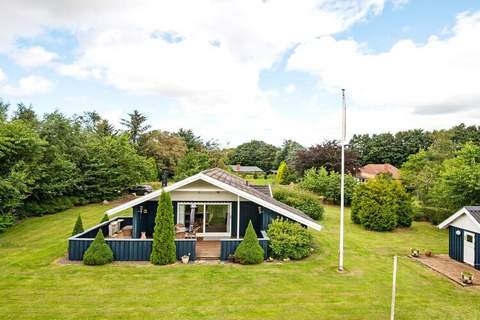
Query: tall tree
point(327, 155)
point(3, 110)
point(288, 152)
point(135, 125)
point(25, 113)
point(255, 153)
point(163, 246)
point(165, 147)
point(192, 141)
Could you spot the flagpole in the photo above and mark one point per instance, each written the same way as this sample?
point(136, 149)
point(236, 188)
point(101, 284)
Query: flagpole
point(342, 183)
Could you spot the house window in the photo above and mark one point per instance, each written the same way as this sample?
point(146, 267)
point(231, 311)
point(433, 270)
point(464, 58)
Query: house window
point(212, 218)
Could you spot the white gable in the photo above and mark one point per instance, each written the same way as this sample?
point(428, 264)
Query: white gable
point(464, 222)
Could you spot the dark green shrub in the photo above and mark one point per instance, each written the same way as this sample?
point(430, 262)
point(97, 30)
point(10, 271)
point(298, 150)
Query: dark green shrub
point(105, 218)
point(301, 200)
point(6, 221)
point(289, 240)
point(99, 252)
point(249, 250)
point(382, 204)
point(436, 215)
point(78, 228)
point(163, 247)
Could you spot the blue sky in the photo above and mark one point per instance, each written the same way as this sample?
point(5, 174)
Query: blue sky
point(244, 70)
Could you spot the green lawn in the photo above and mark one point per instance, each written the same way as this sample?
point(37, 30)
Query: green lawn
point(33, 285)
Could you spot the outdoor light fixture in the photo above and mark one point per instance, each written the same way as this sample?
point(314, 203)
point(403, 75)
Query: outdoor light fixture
point(141, 209)
point(458, 232)
point(260, 210)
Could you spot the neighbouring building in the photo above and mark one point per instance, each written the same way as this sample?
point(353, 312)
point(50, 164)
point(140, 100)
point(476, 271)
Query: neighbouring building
point(464, 235)
point(245, 169)
point(370, 171)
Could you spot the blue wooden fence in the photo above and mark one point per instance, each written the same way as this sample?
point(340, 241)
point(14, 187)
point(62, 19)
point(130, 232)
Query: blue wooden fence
point(124, 249)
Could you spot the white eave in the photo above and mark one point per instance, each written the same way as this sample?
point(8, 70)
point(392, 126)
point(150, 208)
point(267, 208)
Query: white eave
point(224, 186)
point(457, 215)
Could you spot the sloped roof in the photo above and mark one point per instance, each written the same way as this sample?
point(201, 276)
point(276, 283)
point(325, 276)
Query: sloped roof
point(234, 184)
point(264, 189)
point(237, 168)
point(473, 212)
point(371, 170)
point(243, 185)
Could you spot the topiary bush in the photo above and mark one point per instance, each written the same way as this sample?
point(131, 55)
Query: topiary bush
point(99, 252)
point(289, 240)
point(301, 200)
point(105, 218)
point(249, 250)
point(163, 247)
point(381, 204)
point(78, 227)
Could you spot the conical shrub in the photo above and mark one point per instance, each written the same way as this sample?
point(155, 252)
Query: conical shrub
point(249, 250)
point(163, 247)
point(104, 218)
point(78, 228)
point(99, 252)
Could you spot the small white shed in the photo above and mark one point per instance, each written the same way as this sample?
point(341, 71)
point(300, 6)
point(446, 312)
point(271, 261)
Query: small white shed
point(464, 235)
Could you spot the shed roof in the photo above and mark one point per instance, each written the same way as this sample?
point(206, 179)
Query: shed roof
point(473, 212)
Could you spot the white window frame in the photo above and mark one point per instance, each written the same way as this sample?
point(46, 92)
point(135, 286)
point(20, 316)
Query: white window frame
point(208, 234)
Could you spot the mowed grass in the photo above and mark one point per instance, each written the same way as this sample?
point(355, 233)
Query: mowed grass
point(34, 286)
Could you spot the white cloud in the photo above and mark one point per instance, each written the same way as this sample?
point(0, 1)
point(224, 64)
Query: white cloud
point(33, 57)
point(290, 88)
point(440, 76)
point(29, 85)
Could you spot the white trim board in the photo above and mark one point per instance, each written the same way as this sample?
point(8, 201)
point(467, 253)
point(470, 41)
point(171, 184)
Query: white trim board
point(224, 186)
point(455, 216)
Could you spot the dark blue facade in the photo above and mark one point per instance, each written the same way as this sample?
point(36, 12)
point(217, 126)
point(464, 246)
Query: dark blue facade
point(455, 245)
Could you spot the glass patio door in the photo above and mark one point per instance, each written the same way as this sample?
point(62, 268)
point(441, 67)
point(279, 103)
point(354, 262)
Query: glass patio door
point(216, 218)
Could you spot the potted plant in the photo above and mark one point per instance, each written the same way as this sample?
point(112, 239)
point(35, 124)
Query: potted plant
point(415, 252)
point(186, 259)
point(428, 253)
point(467, 277)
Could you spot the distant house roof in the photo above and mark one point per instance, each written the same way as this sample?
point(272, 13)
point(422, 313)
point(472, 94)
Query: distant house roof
point(245, 169)
point(235, 185)
point(371, 170)
point(473, 212)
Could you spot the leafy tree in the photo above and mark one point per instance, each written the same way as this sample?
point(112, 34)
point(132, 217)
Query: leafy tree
point(78, 227)
point(111, 165)
point(328, 185)
point(163, 247)
point(255, 153)
point(105, 128)
point(192, 141)
point(89, 120)
point(459, 179)
point(166, 148)
point(381, 204)
point(99, 252)
point(288, 152)
point(3, 110)
point(135, 125)
point(192, 163)
point(326, 155)
point(26, 114)
point(249, 250)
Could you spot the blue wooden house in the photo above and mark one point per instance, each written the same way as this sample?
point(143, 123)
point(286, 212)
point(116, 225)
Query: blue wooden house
point(464, 235)
point(211, 212)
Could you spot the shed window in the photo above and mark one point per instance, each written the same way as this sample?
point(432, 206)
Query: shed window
point(469, 238)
